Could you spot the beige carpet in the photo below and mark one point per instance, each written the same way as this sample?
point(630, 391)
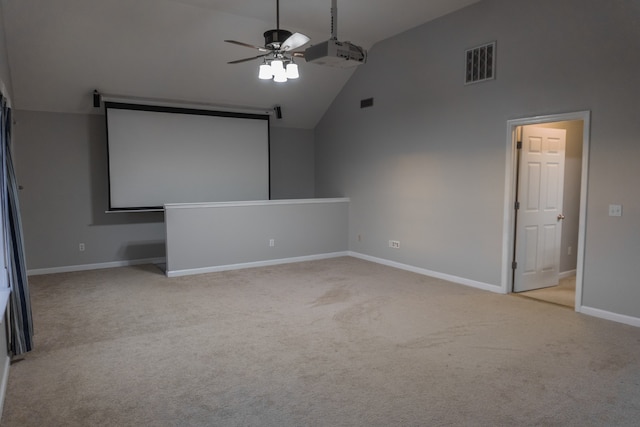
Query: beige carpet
point(339, 342)
point(562, 294)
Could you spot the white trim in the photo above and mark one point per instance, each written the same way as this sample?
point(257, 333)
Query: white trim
point(84, 267)
point(5, 93)
point(582, 224)
point(608, 315)
point(507, 215)
point(133, 210)
point(455, 279)
point(509, 195)
point(569, 273)
point(4, 382)
point(267, 263)
point(253, 203)
point(4, 302)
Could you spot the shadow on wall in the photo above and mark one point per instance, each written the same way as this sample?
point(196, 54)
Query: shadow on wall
point(141, 250)
point(99, 175)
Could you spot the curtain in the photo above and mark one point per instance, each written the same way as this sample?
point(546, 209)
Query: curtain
point(20, 322)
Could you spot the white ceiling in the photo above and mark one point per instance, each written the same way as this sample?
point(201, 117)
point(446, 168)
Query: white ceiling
point(60, 50)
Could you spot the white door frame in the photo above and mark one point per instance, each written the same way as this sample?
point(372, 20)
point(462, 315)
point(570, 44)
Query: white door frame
point(510, 195)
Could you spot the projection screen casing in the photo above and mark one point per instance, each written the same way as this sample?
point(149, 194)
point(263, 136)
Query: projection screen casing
point(161, 155)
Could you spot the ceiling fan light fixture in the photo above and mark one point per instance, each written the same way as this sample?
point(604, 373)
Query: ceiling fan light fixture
point(280, 78)
point(277, 67)
point(265, 72)
point(277, 52)
point(292, 70)
point(279, 73)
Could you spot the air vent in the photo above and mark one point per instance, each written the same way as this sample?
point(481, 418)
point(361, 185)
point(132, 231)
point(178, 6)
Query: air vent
point(365, 103)
point(481, 63)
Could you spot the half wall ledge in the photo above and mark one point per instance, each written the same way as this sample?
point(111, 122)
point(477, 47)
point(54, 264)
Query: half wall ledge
point(205, 237)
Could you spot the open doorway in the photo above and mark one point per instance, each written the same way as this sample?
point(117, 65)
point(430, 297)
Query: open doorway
point(545, 207)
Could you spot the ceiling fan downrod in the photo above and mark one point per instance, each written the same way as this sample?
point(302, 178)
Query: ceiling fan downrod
point(273, 39)
point(334, 19)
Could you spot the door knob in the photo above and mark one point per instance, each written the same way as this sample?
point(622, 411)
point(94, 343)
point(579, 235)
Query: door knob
point(560, 217)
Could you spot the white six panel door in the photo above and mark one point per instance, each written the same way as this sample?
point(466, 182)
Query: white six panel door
point(540, 192)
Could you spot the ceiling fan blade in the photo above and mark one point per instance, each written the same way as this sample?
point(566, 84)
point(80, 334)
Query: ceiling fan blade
point(294, 41)
point(261, 49)
point(238, 61)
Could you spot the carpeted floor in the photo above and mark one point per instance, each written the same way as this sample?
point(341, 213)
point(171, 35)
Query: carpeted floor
point(562, 294)
point(339, 342)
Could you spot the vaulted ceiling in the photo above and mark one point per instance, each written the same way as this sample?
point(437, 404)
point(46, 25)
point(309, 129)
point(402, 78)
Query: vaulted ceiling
point(61, 50)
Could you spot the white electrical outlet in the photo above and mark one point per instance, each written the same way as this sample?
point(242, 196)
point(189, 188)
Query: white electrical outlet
point(395, 244)
point(272, 242)
point(615, 210)
point(81, 247)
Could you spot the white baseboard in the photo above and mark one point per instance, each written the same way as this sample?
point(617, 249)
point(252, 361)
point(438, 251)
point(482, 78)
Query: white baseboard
point(608, 315)
point(425, 272)
point(4, 381)
point(565, 274)
point(218, 268)
point(98, 266)
point(590, 311)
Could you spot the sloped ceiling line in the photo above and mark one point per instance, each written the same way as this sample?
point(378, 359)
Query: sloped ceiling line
point(60, 50)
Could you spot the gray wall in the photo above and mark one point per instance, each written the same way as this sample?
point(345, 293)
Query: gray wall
point(61, 163)
point(292, 164)
point(426, 164)
point(208, 238)
point(5, 74)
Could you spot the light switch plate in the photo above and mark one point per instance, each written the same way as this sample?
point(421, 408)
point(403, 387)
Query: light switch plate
point(615, 210)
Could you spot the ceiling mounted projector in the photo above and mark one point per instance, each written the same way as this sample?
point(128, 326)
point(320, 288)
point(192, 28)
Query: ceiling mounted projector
point(335, 53)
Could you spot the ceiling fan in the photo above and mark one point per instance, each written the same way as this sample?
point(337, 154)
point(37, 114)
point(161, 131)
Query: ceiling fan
point(277, 52)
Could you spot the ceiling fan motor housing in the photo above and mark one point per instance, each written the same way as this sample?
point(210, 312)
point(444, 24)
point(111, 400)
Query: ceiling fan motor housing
point(273, 38)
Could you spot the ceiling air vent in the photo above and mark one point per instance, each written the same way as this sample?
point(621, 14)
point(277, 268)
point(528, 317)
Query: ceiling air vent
point(480, 63)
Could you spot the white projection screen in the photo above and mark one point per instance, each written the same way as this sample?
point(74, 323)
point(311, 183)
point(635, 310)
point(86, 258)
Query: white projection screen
point(161, 155)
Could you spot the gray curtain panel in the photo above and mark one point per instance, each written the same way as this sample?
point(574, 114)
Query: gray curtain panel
point(21, 326)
